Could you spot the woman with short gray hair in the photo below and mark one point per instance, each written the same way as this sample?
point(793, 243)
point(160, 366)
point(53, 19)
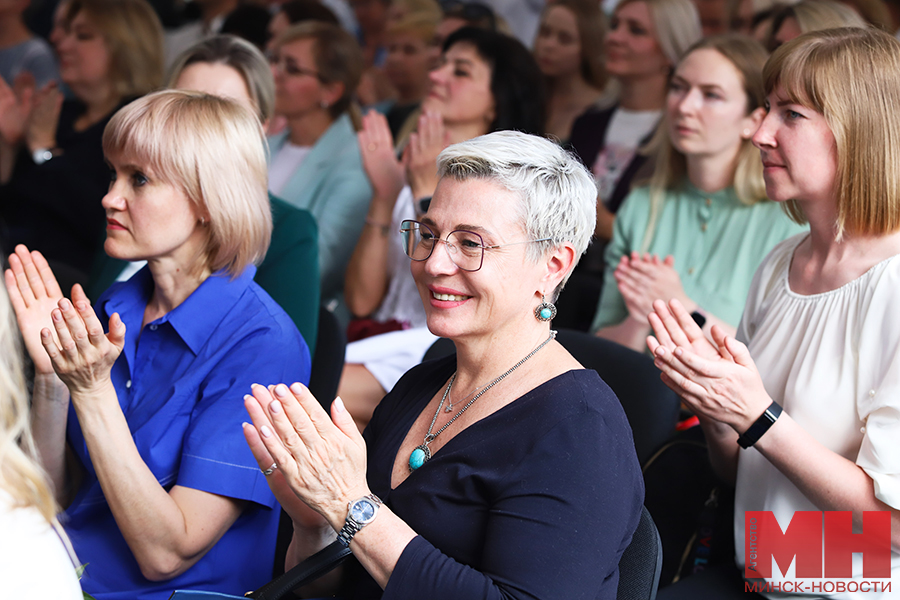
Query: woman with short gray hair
point(504, 471)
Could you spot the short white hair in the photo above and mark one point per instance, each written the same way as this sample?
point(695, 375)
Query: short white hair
point(558, 194)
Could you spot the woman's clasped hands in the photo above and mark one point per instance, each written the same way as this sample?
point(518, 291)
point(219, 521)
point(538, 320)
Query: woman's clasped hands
point(61, 336)
point(321, 460)
point(716, 378)
point(643, 278)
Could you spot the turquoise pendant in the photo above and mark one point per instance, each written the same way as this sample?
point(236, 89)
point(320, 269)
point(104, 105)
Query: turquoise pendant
point(418, 457)
point(546, 314)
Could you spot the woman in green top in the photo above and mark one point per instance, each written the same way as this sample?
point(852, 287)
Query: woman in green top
point(701, 228)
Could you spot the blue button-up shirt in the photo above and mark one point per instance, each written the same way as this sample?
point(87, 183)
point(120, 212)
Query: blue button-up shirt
point(180, 383)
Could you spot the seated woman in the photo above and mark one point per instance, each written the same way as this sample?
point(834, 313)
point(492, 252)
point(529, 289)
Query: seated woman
point(486, 83)
point(315, 163)
point(35, 559)
point(51, 169)
point(504, 471)
point(818, 338)
point(136, 427)
point(811, 15)
point(702, 227)
point(227, 66)
point(569, 51)
point(646, 39)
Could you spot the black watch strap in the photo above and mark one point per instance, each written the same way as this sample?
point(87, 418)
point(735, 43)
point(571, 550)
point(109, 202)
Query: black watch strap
point(699, 318)
point(760, 426)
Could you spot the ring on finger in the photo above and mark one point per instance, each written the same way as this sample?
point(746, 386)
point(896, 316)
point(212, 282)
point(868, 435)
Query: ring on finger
point(270, 470)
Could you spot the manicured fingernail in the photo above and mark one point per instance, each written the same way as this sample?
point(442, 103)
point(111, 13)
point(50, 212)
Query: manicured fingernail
point(339, 404)
point(660, 351)
point(65, 304)
point(82, 306)
point(281, 390)
point(297, 387)
point(57, 316)
point(678, 352)
point(275, 407)
point(265, 431)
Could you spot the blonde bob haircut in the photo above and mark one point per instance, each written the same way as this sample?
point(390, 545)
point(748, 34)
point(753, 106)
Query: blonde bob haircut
point(676, 23)
point(134, 39)
point(670, 166)
point(213, 150)
point(851, 76)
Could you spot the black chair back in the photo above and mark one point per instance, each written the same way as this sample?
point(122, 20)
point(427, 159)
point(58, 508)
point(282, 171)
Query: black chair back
point(641, 563)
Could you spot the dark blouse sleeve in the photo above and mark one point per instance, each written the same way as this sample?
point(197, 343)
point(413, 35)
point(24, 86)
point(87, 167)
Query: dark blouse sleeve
point(565, 514)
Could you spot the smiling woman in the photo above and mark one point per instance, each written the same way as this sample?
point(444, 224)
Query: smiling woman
point(158, 492)
point(483, 460)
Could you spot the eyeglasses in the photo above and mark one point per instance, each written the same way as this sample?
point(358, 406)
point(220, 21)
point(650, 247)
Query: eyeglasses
point(465, 248)
point(287, 66)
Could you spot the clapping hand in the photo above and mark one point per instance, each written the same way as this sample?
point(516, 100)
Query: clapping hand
point(41, 129)
point(717, 379)
point(420, 156)
point(16, 104)
point(377, 149)
point(644, 278)
point(321, 460)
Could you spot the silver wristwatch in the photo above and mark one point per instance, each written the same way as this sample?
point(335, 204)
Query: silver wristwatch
point(360, 513)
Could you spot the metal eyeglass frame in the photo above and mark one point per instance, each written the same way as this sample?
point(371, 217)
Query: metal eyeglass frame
point(406, 229)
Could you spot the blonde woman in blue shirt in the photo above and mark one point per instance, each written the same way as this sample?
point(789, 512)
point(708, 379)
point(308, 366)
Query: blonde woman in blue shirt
point(700, 229)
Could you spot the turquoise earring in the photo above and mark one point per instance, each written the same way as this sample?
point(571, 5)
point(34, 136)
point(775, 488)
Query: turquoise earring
point(545, 311)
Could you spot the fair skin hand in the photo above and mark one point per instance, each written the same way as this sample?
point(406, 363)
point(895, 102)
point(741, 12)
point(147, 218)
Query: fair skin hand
point(15, 107)
point(367, 276)
point(324, 461)
point(167, 531)
point(727, 393)
point(41, 129)
point(420, 156)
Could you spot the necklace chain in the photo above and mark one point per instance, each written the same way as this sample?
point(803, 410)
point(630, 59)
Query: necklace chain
point(430, 437)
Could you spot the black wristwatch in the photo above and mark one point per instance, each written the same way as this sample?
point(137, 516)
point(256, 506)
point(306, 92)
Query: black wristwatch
point(760, 426)
point(360, 513)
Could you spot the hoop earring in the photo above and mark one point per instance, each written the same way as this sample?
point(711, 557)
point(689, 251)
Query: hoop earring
point(545, 311)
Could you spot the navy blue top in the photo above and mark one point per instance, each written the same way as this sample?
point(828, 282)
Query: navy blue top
point(180, 383)
point(537, 500)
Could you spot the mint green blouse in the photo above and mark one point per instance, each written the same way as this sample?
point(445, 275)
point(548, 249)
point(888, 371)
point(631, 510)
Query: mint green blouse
point(717, 241)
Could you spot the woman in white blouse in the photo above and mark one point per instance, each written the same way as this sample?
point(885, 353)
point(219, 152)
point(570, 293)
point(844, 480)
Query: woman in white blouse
point(36, 560)
point(821, 326)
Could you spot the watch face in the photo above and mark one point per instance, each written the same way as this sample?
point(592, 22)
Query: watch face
point(363, 510)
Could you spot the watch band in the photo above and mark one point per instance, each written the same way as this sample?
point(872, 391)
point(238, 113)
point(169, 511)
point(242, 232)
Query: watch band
point(760, 426)
point(699, 318)
point(352, 526)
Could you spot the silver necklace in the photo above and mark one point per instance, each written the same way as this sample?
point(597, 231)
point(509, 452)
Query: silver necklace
point(451, 403)
point(421, 453)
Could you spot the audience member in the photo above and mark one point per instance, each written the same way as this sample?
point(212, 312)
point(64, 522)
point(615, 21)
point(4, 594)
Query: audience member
point(209, 21)
point(464, 14)
point(315, 163)
point(520, 18)
point(297, 11)
point(426, 9)
point(645, 41)
point(488, 82)
point(372, 16)
point(249, 22)
point(21, 51)
point(713, 16)
point(743, 15)
point(36, 559)
point(498, 500)
point(110, 52)
point(227, 66)
point(873, 12)
point(568, 50)
point(820, 325)
point(810, 15)
point(136, 426)
point(411, 56)
point(703, 225)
